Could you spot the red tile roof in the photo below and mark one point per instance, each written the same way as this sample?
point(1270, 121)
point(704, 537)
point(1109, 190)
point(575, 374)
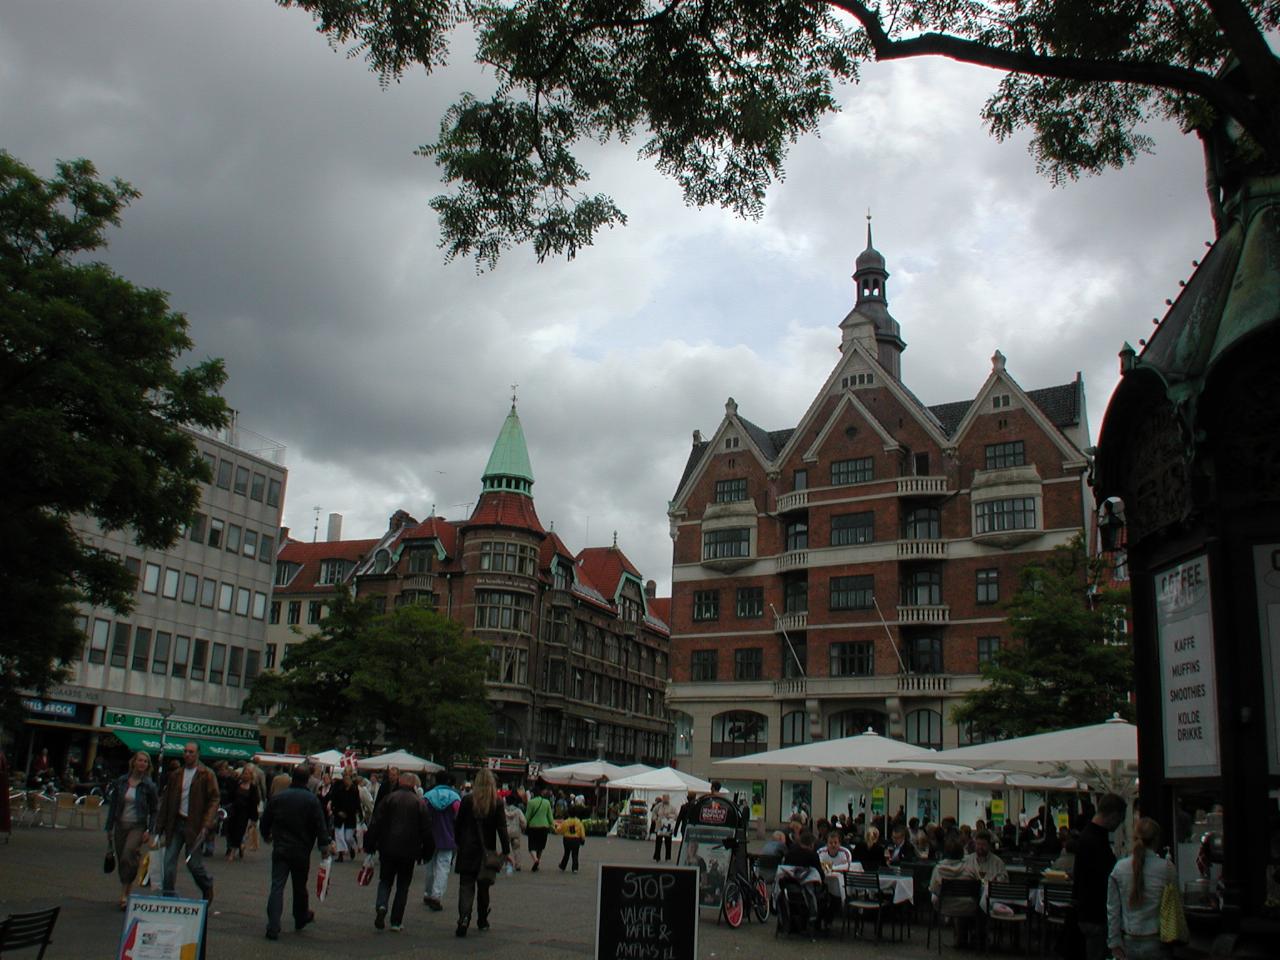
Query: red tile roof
point(604, 567)
point(659, 607)
point(311, 555)
point(501, 509)
point(552, 547)
point(438, 528)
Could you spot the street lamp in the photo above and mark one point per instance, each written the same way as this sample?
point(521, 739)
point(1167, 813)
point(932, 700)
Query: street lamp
point(165, 714)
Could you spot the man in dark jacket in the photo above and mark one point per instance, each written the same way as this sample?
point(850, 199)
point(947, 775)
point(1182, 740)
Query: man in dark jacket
point(401, 836)
point(188, 816)
point(901, 850)
point(293, 823)
point(1094, 862)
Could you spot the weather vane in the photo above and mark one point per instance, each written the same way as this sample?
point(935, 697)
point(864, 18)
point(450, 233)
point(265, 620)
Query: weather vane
point(513, 393)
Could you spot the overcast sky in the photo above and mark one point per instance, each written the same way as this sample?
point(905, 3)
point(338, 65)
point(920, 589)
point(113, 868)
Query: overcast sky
point(283, 209)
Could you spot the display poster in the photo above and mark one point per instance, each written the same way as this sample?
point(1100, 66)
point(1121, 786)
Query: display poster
point(163, 928)
point(1266, 571)
point(997, 812)
point(704, 847)
point(1188, 691)
point(646, 912)
point(877, 800)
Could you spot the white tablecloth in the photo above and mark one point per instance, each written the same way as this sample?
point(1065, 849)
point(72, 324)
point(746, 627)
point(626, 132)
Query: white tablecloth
point(902, 888)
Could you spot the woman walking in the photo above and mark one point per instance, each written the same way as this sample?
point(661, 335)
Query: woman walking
point(131, 817)
point(480, 827)
point(516, 827)
point(344, 801)
point(1133, 896)
point(540, 821)
point(242, 807)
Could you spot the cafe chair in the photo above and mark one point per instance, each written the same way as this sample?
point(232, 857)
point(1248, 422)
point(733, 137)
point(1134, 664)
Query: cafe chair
point(958, 902)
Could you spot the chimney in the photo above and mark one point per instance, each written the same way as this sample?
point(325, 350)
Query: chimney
point(335, 527)
point(651, 589)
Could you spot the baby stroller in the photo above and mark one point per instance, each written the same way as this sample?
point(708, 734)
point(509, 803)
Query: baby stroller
point(797, 900)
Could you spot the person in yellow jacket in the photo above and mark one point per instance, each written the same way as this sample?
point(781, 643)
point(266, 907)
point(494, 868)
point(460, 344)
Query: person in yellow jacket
point(574, 835)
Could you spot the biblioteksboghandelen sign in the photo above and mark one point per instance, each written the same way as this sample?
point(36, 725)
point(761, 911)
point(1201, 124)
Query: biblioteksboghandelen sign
point(1188, 685)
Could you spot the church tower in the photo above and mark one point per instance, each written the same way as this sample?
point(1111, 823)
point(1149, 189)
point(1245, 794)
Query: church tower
point(869, 322)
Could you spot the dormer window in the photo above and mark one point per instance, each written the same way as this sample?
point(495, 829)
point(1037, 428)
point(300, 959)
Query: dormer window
point(381, 561)
point(332, 571)
point(421, 559)
point(284, 572)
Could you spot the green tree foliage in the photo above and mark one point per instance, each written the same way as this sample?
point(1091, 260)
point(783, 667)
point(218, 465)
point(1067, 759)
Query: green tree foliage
point(1066, 667)
point(91, 406)
point(715, 91)
point(410, 678)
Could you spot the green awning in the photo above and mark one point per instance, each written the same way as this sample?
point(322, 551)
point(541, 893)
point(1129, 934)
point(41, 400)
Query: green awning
point(209, 749)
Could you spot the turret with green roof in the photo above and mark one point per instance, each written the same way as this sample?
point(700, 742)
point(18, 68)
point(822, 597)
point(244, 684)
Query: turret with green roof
point(508, 469)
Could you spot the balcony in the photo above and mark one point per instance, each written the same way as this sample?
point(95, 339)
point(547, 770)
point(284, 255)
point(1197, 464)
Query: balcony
point(924, 682)
point(922, 549)
point(924, 613)
point(922, 486)
point(419, 581)
point(790, 687)
point(795, 500)
point(793, 560)
point(791, 621)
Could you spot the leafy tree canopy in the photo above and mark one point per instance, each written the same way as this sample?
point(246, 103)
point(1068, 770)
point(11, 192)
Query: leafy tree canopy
point(1067, 667)
point(715, 91)
point(91, 411)
point(410, 678)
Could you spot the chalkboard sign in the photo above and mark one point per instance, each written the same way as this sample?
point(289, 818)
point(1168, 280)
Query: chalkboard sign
point(647, 913)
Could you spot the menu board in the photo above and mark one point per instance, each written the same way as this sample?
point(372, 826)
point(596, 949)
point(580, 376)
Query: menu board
point(1266, 571)
point(1188, 685)
point(646, 913)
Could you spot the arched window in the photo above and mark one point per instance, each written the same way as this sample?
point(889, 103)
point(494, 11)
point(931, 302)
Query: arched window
point(738, 732)
point(795, 728)
point(849, 723)
point(683, 724)
point(381, 561)
point(924, 728)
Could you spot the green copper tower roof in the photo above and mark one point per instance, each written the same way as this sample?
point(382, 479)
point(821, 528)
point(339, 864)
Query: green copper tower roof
point(509, 469)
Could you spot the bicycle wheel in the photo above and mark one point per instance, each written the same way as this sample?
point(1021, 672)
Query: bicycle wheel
point(761, 905)
point(732, 906)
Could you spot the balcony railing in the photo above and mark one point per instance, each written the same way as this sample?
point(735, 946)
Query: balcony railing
point(795, 500)
point(923, 682)
point(921, 486)
point(922, 549)
point(793, 560)
point(419, 581)
point(791, 621)
point(924, 613)
point(790, 686)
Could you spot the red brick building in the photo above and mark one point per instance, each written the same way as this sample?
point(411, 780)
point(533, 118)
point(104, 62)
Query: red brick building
point(578, 643)
point(849, 572)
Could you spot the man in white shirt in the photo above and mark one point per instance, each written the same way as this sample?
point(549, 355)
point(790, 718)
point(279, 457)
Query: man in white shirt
point(834, 856)
point(188, 816)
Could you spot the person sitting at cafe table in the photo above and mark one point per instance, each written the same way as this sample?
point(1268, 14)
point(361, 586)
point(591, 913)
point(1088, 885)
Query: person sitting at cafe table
point(950, 867)
point(870, 852)
point(803, 863)
point(900, 850)
point(834, 856)
point(982, 864)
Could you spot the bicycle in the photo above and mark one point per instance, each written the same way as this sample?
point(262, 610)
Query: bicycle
point(743, 893)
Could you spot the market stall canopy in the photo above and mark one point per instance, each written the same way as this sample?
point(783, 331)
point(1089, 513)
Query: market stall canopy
point(278, 759)
point(327, 758)
point(588, 773)
point(1103, 755)
point(401, 759)
point(631, 769)
point(662, 780)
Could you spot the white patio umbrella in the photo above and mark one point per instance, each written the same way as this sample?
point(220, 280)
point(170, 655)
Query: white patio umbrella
point(278, 759)
point(588, 773)
point(401, 759)
point(662, 780)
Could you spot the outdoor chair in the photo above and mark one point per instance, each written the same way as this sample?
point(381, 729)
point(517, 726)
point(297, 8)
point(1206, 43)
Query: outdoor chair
point(19, 931)
point(1057, 911)
point(862, 896)
point(64, 805)
point(42, 808)
point(958, 901)
point(89, 806)
point(1014, 896)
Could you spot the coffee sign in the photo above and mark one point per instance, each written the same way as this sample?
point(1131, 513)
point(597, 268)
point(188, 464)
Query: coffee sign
point(1189, 700)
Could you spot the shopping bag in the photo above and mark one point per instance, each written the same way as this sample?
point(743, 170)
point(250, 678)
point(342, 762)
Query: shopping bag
point(251, 835)
point(1173, 919)
point(322, 878)
point(109, 861)
point(143, 877)
point(365, 876)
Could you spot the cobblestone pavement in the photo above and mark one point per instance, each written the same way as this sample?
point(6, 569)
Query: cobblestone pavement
point(535, 916)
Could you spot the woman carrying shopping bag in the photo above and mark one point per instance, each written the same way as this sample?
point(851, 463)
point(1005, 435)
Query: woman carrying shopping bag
point(481, 826)
point(131, 817)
